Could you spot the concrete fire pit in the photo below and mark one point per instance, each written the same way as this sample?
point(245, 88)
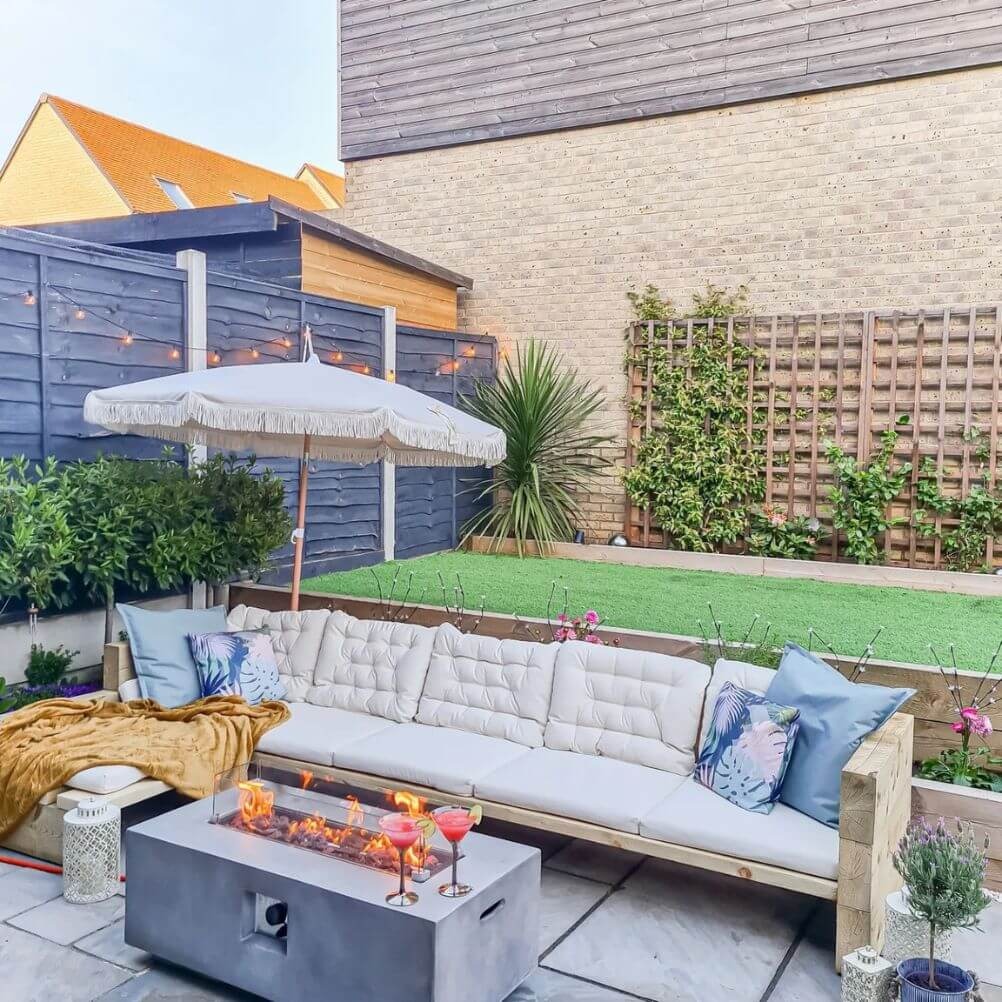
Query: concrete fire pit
point(282, 921)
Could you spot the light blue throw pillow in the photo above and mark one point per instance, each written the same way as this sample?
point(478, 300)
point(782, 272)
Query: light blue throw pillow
point(746, 749)
point(160, 651)
point(241, 663)
point(835, 716)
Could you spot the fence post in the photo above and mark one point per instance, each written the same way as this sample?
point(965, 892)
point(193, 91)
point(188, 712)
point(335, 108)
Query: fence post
point(195, 348)
point(389, 471)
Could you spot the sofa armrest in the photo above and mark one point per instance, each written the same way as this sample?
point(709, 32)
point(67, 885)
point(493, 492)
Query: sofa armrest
point(874, 813)
point(118, 666)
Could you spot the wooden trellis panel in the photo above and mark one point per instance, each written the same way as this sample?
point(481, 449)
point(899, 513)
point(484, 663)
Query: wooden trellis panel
point(848, 377)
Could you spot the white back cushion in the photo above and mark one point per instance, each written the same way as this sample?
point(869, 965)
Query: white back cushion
point(372, 667)
point(295, 636)
point(500, 688)
point(635, 706)
point(754, 678)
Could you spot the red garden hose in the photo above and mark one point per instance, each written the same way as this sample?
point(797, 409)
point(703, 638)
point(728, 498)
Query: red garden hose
point(29, 864)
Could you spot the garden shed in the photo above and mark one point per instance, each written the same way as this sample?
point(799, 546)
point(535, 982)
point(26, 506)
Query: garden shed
point(280, 243)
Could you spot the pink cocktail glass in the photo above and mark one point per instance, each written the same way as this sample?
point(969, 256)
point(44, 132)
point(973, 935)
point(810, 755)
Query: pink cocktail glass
point(455, 823)
point(403, 831)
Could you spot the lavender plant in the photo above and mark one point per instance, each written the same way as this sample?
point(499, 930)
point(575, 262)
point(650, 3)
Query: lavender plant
point(943, 873)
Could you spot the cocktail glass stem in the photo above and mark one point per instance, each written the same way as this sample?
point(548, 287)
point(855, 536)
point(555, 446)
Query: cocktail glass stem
point(402, 887)
point(455, 863)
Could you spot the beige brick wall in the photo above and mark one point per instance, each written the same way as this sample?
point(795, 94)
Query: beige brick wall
point(879, 196)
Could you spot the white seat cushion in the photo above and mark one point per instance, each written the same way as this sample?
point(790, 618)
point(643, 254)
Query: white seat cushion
point(698, 817)
point(754, 678)
point(129, 690)
point(105, 778)
point(295, 637)
point(448, 760)
point(635, 706)
point(604, 791)
point(313, 733)
point(499, 688)
point(371, 666)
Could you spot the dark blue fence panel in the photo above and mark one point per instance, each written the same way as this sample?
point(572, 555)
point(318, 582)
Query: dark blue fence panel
point(254, 323)
point(76, 317)
point(433, 503)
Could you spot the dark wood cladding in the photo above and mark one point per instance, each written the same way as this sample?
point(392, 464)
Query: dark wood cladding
point(421, 74)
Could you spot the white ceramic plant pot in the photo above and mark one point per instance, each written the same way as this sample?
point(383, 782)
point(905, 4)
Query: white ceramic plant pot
point(907, 936)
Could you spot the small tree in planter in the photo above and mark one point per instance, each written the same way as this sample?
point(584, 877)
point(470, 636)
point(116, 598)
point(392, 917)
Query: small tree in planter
point(943, 873)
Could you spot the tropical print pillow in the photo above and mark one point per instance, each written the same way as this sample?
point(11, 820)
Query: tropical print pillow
point(241, 664)
point(747, 748)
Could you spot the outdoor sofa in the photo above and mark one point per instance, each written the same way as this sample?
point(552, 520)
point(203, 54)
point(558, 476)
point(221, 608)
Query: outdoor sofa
point(594, 742)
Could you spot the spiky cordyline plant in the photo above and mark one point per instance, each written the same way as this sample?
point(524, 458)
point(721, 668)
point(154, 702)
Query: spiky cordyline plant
point(543, 407)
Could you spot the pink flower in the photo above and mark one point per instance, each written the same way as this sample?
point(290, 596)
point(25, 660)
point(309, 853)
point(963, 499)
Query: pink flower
point(562, 617)
point(959, 727)
point(591, 617)
point(973, 720)
point(592, 638)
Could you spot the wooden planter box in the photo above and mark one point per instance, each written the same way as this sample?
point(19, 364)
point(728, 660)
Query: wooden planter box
point(768, 567)
point(981, 808)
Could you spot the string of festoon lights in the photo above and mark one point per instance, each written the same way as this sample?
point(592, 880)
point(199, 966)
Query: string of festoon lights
point(271, 347)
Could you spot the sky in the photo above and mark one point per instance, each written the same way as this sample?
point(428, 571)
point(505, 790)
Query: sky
point(255, 79)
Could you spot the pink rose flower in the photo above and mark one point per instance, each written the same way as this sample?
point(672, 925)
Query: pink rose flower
point(591, 617)
point(592, 638)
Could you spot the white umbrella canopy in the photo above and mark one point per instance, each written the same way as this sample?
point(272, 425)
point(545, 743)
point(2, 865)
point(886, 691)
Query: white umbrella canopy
point(298, 409)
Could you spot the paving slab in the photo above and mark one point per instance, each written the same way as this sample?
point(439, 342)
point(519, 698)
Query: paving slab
point(563, 900)
point(164, 983)
point(59, 921)
point(35, 970)
point(677, 934)
point(810, 975)
point(109, 944)
point(594, 861)
point(979, 949)
point(549, 986)
point(21, 889)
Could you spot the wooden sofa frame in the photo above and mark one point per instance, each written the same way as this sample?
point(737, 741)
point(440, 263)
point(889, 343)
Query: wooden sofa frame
point(875, 810)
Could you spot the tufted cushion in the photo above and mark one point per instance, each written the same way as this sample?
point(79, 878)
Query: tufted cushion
point(635, 706)
point(499, 688)
point(372, 667)
point(754, 678)
point(295, 637)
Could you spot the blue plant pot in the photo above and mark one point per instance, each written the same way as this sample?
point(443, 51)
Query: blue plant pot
point(953, 983)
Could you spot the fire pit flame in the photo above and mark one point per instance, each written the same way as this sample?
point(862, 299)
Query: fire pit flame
point(258, 814)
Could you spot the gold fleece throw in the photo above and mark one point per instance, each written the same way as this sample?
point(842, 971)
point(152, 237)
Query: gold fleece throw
point(43, 745)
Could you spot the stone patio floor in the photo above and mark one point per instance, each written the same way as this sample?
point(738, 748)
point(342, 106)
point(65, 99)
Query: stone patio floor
point(615, 927)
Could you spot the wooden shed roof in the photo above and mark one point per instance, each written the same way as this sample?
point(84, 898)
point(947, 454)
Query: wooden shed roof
point(250, 217)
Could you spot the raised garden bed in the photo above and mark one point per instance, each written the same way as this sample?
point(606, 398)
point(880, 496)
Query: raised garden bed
point(769, 567)
point(980, 808)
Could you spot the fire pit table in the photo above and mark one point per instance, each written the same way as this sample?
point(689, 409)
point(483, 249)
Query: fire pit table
point(277, 885)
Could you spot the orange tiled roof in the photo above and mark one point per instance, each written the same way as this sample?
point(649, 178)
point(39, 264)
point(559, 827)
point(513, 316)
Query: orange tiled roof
point(334, 183)
point(131, 156)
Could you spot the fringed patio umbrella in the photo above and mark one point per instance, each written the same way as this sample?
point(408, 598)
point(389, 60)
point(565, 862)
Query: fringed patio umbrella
point(301, 410)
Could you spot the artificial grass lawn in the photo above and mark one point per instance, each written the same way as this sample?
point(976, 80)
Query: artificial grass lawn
point(666, 600)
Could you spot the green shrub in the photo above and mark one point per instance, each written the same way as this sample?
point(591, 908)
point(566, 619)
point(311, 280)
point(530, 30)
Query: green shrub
point(47, 667)
point(36, 538)
point(87, 530)
point(544, 408)
point(699, 471)
point(772, 533)
point(862, 495)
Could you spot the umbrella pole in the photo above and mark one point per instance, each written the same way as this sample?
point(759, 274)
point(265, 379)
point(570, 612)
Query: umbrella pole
point(299, 535)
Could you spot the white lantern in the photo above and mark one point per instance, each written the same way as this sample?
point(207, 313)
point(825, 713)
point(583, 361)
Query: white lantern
point(92, 834)
point(866, 976)
point(906, 936)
